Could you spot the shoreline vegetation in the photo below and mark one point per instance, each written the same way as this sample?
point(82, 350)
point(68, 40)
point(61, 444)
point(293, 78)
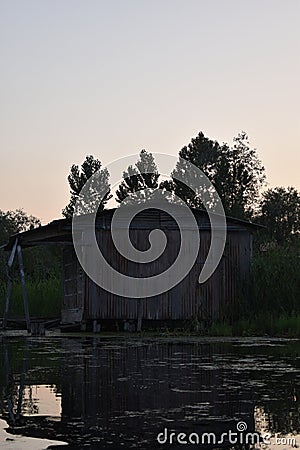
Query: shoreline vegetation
point(217, 332)
point(285, 325)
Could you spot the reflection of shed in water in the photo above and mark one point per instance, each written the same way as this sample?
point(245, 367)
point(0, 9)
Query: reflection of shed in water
point(141, 389)
point(123, 396)
point(83, 301)
point(126, 392)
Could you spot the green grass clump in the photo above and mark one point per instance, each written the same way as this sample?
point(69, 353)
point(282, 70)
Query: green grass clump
point(44, 298)
point(287, 326)
point(276, 281)
point(220, 329)
point(261, 325)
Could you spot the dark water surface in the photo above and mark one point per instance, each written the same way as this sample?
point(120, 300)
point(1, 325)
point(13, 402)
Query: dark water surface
point(95, 392)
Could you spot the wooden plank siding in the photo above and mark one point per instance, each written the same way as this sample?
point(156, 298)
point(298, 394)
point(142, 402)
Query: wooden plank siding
point(187, 300)
point(82, 300)
point(73, 288)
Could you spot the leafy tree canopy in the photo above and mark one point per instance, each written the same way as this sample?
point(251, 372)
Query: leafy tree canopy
point(144, 175)
point(98, 188)
point(236, 173)
point(13, 222)
point(280, 212)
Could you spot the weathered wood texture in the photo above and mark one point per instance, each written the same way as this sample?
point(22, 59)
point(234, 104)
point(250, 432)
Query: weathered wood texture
point(73, 288)
point(84, 300)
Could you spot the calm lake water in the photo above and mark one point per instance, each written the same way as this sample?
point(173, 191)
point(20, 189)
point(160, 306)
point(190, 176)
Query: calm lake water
point(94, 392)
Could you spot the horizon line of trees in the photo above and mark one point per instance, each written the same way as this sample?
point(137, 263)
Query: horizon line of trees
point(235, 171)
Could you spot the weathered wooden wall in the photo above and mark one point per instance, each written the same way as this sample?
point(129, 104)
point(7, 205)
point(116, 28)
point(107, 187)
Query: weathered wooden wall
point(73, 279)
point(83, 300)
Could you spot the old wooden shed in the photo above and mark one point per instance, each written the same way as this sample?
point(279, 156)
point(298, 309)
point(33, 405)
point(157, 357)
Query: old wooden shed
point(85, 302)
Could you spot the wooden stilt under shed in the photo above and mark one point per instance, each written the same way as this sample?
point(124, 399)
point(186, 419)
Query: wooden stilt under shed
point(9, 283)
point(16, 248)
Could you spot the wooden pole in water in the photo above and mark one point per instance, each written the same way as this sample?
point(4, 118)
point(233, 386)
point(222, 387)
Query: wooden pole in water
point(8, 380)
point(22, 275)
point(9, 283)
point(22, 383)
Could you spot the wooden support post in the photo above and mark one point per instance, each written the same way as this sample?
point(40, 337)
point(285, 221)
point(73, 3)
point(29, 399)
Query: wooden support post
point(96, 327)
point(5, 315)
point(140, 314)
point(9, 283)
point(22, 275)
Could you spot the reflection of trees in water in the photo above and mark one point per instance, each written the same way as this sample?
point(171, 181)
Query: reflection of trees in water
point(227, 386)
point(275, 386)
point(17, 392)
point(134, 387)
point(14, 391)
point(30, 404)
point(278, 417)
point(280, 411)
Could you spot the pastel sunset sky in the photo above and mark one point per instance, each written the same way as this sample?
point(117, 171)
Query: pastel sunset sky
point(109, 78)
